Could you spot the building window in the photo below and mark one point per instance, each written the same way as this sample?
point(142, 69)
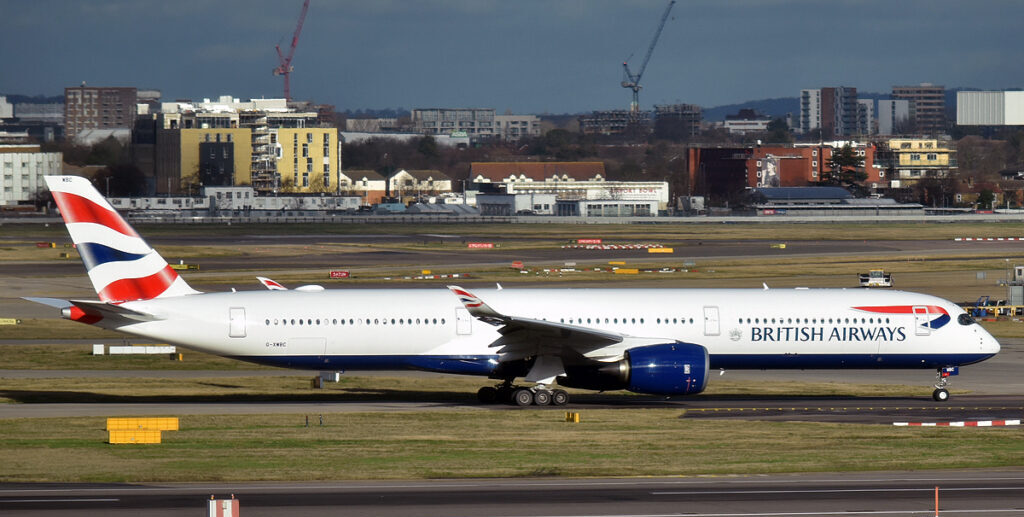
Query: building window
point(309, 138)
point(915, 157)
point(305, 150)
point(933, 157)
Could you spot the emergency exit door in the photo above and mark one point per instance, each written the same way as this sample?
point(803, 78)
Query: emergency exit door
point(463, 322)
point(711, 326)
point(236, 322)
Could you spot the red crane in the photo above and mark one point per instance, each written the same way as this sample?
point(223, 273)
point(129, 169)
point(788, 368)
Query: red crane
point(286, 68)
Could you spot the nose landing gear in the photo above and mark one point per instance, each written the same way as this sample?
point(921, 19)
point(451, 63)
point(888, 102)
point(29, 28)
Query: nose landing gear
point(942, 375)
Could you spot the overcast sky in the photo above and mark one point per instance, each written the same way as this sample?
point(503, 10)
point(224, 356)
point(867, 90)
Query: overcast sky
point(527, 56)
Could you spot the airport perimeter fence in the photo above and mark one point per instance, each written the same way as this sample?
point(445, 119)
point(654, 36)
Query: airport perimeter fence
point(535, 219)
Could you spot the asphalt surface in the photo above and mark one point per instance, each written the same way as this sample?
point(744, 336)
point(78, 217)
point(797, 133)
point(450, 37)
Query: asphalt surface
point(990, 492)
point(996, 386)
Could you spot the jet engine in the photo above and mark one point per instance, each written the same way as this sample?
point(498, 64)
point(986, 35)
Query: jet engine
point(668, 369)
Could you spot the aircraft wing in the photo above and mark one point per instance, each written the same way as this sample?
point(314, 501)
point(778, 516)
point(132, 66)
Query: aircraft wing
point(526, 337)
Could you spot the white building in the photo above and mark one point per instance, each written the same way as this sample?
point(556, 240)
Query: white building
point(810, 110)
point(22, 168)
point(6, 108)
point(992, 108)
point(236, 199)
point(866, 116)
point(656, 191)
point(513, 127)
point(893, 116)
point(472, 122)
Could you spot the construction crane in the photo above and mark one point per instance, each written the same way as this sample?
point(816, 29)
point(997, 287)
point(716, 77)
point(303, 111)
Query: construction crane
point(285, 67)
point(632, 81)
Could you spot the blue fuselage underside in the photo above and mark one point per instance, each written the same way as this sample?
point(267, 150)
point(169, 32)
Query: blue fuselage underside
point(485, 365)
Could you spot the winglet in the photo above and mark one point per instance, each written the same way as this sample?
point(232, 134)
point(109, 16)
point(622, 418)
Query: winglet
point(270, 284)
point(476, 307)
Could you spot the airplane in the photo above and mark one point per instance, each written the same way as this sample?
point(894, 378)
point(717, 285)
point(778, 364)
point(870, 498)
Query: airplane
point(652, 340)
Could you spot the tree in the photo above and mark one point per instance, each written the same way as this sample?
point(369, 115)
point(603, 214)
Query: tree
point(845, 168)
point(778, 132)
point(985, 199)
point(427, 147)
point(124, 179)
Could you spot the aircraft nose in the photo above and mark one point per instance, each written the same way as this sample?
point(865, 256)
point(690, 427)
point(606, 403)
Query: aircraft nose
point(993, 344)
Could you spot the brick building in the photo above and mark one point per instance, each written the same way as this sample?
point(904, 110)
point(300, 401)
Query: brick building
point(92, 107)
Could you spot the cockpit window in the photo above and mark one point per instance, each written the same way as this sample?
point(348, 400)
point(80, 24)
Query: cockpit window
point(965, 319)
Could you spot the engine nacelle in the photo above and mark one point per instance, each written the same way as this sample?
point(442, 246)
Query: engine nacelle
point(669, 369)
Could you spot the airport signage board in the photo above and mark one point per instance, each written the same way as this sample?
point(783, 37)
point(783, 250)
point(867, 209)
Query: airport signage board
point(480, 245)
point(340, 274)
point(588, 241)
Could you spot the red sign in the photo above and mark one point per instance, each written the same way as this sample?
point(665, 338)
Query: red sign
point(339, 274)
point(588, 241)
point(480, 245)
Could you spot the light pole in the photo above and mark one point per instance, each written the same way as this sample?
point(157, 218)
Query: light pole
point(108, 187)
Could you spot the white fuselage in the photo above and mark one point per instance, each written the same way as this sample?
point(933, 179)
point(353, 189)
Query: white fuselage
point(382, 329)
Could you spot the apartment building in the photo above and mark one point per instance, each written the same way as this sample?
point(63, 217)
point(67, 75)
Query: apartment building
point(927, 107)
point(92, 107)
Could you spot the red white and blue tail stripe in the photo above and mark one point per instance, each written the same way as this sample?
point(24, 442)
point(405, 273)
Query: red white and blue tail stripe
point(121, 266)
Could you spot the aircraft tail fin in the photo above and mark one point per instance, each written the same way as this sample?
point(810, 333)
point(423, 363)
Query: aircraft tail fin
point(121, 266)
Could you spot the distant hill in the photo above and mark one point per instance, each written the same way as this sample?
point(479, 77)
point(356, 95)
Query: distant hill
point(15, 98)
point(771, 107)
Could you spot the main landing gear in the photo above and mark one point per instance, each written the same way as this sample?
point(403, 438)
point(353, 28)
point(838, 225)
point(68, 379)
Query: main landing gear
point(507, 393)
point(942, 375)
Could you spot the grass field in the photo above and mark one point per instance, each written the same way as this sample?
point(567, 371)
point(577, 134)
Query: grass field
point(473, 443)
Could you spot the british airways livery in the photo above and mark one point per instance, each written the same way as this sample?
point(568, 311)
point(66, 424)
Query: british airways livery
point(654, 341)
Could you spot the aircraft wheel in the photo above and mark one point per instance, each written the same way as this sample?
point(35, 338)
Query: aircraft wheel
point(559, 398)
point(487, 395)
point(940, 395)
point(522, 397)
point(504, 394)
point(542, 397)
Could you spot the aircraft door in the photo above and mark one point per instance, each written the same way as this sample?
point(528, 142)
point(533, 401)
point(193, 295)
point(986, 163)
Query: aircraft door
point(236, 322)
point(921, 324)
point(711, 326)
point(463, 322)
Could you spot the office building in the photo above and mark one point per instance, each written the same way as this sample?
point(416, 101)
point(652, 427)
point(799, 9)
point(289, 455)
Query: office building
point(91, 107)
point(893, 116)
point(927, 107)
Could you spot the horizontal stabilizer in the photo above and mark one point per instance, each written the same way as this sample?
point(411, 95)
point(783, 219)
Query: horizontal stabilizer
point(52, 302)
point(109, 310)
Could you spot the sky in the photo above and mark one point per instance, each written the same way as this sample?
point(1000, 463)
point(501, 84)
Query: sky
point(521, 56)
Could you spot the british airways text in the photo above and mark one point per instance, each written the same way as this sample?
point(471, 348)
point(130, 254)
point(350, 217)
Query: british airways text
point(803, 334)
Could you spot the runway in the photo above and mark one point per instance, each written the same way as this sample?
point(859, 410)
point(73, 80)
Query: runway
point(989, 492)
